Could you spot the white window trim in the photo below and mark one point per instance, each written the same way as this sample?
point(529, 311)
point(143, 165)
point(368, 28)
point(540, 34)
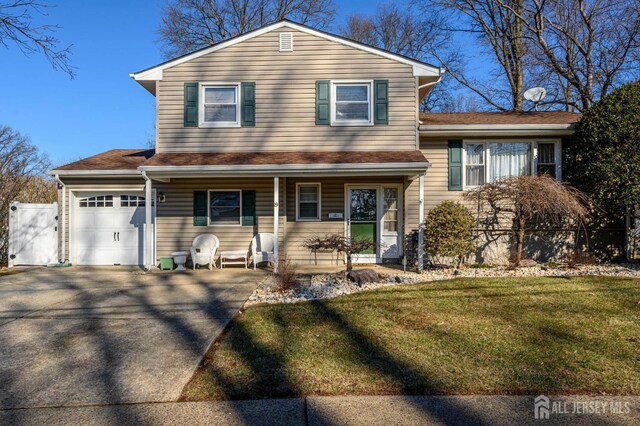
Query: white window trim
point(209, 223)
point(307, 219)
point(487, 157)
point(201, 90)
point(334, 122)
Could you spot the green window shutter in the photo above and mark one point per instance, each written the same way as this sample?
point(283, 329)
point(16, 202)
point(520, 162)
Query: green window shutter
point(455, 165)
point(248, 208)
point(200, 208)
point(323, 100)
point(191, 105)
point(381, 105)
point(248, 103)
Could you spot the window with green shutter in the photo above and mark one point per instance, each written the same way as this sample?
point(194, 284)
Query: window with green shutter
point(381, 99)
point(191, 105)
point(248, 103)
point(455, 165)
point(323, 99)
point(248, 208)
point(200, 217)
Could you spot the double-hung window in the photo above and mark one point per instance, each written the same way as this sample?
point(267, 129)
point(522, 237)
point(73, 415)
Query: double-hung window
point(225, 207)
point(352, 104)
point(308, 201)
point(489, 161)
point(474, 167)
point(547, 161)
point(220, 105)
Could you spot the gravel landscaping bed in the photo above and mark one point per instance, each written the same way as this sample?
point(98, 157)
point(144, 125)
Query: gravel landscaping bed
point(326, 286)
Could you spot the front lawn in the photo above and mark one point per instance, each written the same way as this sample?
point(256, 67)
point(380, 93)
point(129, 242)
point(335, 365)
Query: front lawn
point(465, 336)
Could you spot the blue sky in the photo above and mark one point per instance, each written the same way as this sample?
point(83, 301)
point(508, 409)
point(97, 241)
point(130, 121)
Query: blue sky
point(102, 108)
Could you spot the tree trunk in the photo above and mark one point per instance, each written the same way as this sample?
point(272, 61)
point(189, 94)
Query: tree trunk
point(349, 264)
point(520, 228)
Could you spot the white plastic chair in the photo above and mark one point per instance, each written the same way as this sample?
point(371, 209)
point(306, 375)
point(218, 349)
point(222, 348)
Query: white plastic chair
point(203, 250)
point(262, 248)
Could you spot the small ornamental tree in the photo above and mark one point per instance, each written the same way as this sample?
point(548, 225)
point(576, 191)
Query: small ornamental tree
point(448, 232)
point(603, 158)
point(524, 199)
point(340, 244)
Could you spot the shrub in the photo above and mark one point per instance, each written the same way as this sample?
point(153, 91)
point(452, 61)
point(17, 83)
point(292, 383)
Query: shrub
point(481, 266)
point(449, 232)
point(577, 257)
point(603, 157)
point(286, 276)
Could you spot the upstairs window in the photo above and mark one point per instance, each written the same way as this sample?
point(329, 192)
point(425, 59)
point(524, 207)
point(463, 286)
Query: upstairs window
point(352, 103)
point(220, 105)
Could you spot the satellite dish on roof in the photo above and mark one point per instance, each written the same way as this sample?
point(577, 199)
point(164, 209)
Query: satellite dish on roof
point(535, 95)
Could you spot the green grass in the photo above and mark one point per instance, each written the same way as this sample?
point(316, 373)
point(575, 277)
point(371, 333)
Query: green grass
point(481, 266)
point(464, 336)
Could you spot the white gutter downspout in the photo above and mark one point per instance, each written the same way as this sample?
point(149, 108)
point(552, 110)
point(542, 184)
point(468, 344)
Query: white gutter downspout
point(148, 242)
point(430, 84)
point(63, 227)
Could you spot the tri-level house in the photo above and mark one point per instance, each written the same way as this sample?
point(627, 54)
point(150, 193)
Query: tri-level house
point(296, 132)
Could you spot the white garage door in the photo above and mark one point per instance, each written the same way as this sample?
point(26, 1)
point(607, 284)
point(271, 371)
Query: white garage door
point(110, 229)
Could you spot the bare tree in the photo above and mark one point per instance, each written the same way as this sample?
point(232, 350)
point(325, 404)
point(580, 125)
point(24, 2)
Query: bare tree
point(17, 26)
point(22, 178)
point(500, 36)
point(582, 48)
point(528, 198)
point(188, 25)
point(405, 31)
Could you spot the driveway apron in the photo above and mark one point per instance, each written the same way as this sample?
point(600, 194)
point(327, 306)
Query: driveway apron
point(85, 336)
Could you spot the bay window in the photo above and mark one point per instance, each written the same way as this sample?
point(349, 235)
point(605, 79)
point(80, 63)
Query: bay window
point(489, 161)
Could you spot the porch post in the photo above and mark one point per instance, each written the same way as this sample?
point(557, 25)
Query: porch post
point(148, 234)
point(421, 222)
point(276, 221)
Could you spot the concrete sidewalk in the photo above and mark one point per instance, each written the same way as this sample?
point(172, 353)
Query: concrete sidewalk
point(350, 410)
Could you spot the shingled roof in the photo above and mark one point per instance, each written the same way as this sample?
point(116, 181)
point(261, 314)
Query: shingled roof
point(131, 159)
point(489, 118)
point(115, 159)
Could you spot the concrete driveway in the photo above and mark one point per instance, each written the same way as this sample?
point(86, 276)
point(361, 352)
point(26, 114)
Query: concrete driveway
point(83, 336)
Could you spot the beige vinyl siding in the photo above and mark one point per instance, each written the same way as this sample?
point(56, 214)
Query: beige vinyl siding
point(285, 98)
point(100, 185)
point(332, 201)
point(174, 217)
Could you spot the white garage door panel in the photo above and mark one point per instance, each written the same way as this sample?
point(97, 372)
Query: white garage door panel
point(110, 235)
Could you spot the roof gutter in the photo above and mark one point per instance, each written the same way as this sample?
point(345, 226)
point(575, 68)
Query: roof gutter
point(496, 129)
point(101, 173)
point(283, 168)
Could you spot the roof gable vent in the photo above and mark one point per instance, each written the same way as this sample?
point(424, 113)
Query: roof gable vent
point(286, 42)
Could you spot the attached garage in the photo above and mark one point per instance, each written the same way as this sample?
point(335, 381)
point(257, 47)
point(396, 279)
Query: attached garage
point(109, 228)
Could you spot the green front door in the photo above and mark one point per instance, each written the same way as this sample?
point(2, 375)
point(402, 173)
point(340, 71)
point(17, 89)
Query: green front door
point(363, 219)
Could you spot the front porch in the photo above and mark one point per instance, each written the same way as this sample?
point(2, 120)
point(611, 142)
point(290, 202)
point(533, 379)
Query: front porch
point(293, 208)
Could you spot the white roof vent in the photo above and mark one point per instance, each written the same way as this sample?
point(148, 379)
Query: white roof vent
point(286, 42)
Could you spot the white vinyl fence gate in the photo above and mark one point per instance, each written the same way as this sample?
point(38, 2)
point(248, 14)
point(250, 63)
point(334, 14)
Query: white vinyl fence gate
point(33, 234)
